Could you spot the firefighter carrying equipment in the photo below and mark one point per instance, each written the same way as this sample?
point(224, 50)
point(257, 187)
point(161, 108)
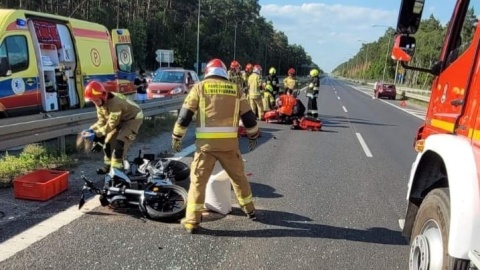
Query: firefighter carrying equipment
point(219, 106)
point(118, 120)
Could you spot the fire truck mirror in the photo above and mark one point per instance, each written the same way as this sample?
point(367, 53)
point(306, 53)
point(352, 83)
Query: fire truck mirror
point(407, 44)
point(410, 16)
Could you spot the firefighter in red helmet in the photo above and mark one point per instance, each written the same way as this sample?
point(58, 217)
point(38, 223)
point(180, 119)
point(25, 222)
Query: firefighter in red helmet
point(290, 82)
point(219, 106)
point(235, 74)
point(119, 120)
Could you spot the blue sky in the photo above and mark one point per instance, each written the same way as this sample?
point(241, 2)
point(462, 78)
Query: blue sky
point(329, 30)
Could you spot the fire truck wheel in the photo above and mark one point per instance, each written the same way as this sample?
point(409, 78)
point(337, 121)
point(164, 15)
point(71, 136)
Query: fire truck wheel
point(429, 241)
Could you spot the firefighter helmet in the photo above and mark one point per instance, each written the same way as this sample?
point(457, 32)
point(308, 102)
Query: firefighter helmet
point(257, 69)
point(249, 67)
point(314, 72)
point(235, 64)
point(95, 90)
point(269, 87)
point(291, 71)
point(216, 68)
point(272, 71)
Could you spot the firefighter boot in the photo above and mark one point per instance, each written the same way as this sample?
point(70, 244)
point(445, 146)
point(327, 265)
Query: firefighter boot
point(190, 228)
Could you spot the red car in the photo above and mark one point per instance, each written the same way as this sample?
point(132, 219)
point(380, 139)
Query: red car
point(386, 90)
point(167, 82)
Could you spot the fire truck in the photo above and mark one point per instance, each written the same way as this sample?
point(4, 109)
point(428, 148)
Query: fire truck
point(442, 220)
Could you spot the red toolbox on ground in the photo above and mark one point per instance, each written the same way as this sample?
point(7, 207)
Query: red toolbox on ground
point(40, 185)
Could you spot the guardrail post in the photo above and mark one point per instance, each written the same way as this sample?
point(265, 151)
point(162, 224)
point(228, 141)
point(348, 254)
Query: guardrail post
point(61, 144)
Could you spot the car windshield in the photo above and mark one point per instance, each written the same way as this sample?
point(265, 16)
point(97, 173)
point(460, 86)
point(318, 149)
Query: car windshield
point(169, 76)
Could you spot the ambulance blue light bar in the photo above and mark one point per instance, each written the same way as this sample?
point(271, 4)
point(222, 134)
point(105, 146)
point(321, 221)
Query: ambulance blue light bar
point(119, 31)
point(21, 22)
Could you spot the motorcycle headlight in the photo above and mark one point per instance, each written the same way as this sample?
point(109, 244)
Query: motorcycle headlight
point(176, 90)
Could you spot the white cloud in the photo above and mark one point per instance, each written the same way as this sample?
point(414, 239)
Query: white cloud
point(329, 33)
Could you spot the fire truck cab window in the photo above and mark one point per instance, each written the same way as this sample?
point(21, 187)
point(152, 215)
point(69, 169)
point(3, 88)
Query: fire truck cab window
point(465, 37)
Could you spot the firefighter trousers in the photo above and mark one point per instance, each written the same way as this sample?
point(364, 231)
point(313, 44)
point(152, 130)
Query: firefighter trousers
point(201, 170)
point(312, 109)
point(257, 106)
point(118, 142)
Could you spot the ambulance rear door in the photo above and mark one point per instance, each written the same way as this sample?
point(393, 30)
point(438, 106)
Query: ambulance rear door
point(123, 49)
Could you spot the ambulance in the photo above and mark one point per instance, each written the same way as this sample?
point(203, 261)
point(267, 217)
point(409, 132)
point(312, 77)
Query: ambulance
point(46, 61)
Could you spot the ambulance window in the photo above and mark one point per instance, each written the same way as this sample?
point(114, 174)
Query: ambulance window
point(124, 57)
point(17, 53)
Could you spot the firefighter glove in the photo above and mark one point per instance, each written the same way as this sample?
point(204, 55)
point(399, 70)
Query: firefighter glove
point(88, 134)
point(176, 145)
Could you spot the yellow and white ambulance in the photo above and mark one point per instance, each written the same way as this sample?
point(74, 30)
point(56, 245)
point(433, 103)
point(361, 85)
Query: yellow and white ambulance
point(46, 60)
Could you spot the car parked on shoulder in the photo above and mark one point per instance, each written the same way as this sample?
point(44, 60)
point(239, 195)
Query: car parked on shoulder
point(386, 90)
point(167, 82)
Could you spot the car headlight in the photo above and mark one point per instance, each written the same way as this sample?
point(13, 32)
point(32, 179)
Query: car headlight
point(176, 90)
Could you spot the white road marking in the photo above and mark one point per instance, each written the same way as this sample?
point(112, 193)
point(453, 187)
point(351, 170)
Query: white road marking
point(28, 237)
point(344, 109)
point(338, 97)
point(364, 145)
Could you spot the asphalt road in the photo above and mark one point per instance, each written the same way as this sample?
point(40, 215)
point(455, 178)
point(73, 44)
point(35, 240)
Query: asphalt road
point(326, 200)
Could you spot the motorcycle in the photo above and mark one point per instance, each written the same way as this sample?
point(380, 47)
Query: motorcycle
point(149, 184)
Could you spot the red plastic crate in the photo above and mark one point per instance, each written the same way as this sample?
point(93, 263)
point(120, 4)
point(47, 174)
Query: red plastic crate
point(40, 185)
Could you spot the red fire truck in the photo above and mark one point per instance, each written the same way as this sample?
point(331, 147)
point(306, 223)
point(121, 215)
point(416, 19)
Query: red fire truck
point(442, 220)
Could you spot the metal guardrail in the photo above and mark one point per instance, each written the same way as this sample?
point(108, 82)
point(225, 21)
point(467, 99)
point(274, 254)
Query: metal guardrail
point(17, 134)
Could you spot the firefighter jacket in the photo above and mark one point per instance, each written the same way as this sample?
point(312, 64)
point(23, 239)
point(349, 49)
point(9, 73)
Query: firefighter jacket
point(116, 110)
point(273, 81)
point(268, 101)
point(219, 106)
point(313, 87)
point(288, 102)
point(290, 82)
point(236, 78)
point(254, 85)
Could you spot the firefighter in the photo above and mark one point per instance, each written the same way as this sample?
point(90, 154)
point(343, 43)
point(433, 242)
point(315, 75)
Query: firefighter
point(254, 91)
point(119, 120)
point(235, 74)
point(267, 98)
point(219, 106)
point(312, 93)
point(272, 80)
point(290, 82)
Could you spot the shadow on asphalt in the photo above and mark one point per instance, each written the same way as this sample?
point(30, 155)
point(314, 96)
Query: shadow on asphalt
point(342, 121)
point(264, 191)
point(294, 225)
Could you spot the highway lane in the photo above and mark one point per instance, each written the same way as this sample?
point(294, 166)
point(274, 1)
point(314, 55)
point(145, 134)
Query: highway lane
point(323, 204)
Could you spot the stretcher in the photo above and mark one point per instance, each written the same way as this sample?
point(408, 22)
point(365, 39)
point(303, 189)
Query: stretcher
point(307, 123)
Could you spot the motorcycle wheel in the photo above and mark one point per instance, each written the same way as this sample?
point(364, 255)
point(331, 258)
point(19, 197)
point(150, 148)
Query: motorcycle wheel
point(164, 203)
point(180, 170)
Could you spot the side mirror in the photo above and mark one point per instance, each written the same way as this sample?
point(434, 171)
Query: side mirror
point(403, 48)
point(410, 16)
point(4, 67)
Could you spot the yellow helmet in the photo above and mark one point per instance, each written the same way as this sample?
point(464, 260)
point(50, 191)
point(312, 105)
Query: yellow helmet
point(269, 87)
point(314, 72)
point(272, 71)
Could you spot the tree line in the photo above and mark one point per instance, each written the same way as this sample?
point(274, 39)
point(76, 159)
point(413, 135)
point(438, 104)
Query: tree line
point(373, 58)
point(227, 28)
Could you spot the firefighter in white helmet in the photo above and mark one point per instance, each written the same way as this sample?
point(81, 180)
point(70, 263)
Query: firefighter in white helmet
point(219, 106)
point(254, 91)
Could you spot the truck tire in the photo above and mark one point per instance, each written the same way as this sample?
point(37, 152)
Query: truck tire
point(429, 241)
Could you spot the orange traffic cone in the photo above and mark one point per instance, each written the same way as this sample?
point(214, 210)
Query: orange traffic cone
point(403, 103)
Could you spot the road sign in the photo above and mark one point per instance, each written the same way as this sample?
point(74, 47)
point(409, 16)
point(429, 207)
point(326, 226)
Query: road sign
point(164, 56)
